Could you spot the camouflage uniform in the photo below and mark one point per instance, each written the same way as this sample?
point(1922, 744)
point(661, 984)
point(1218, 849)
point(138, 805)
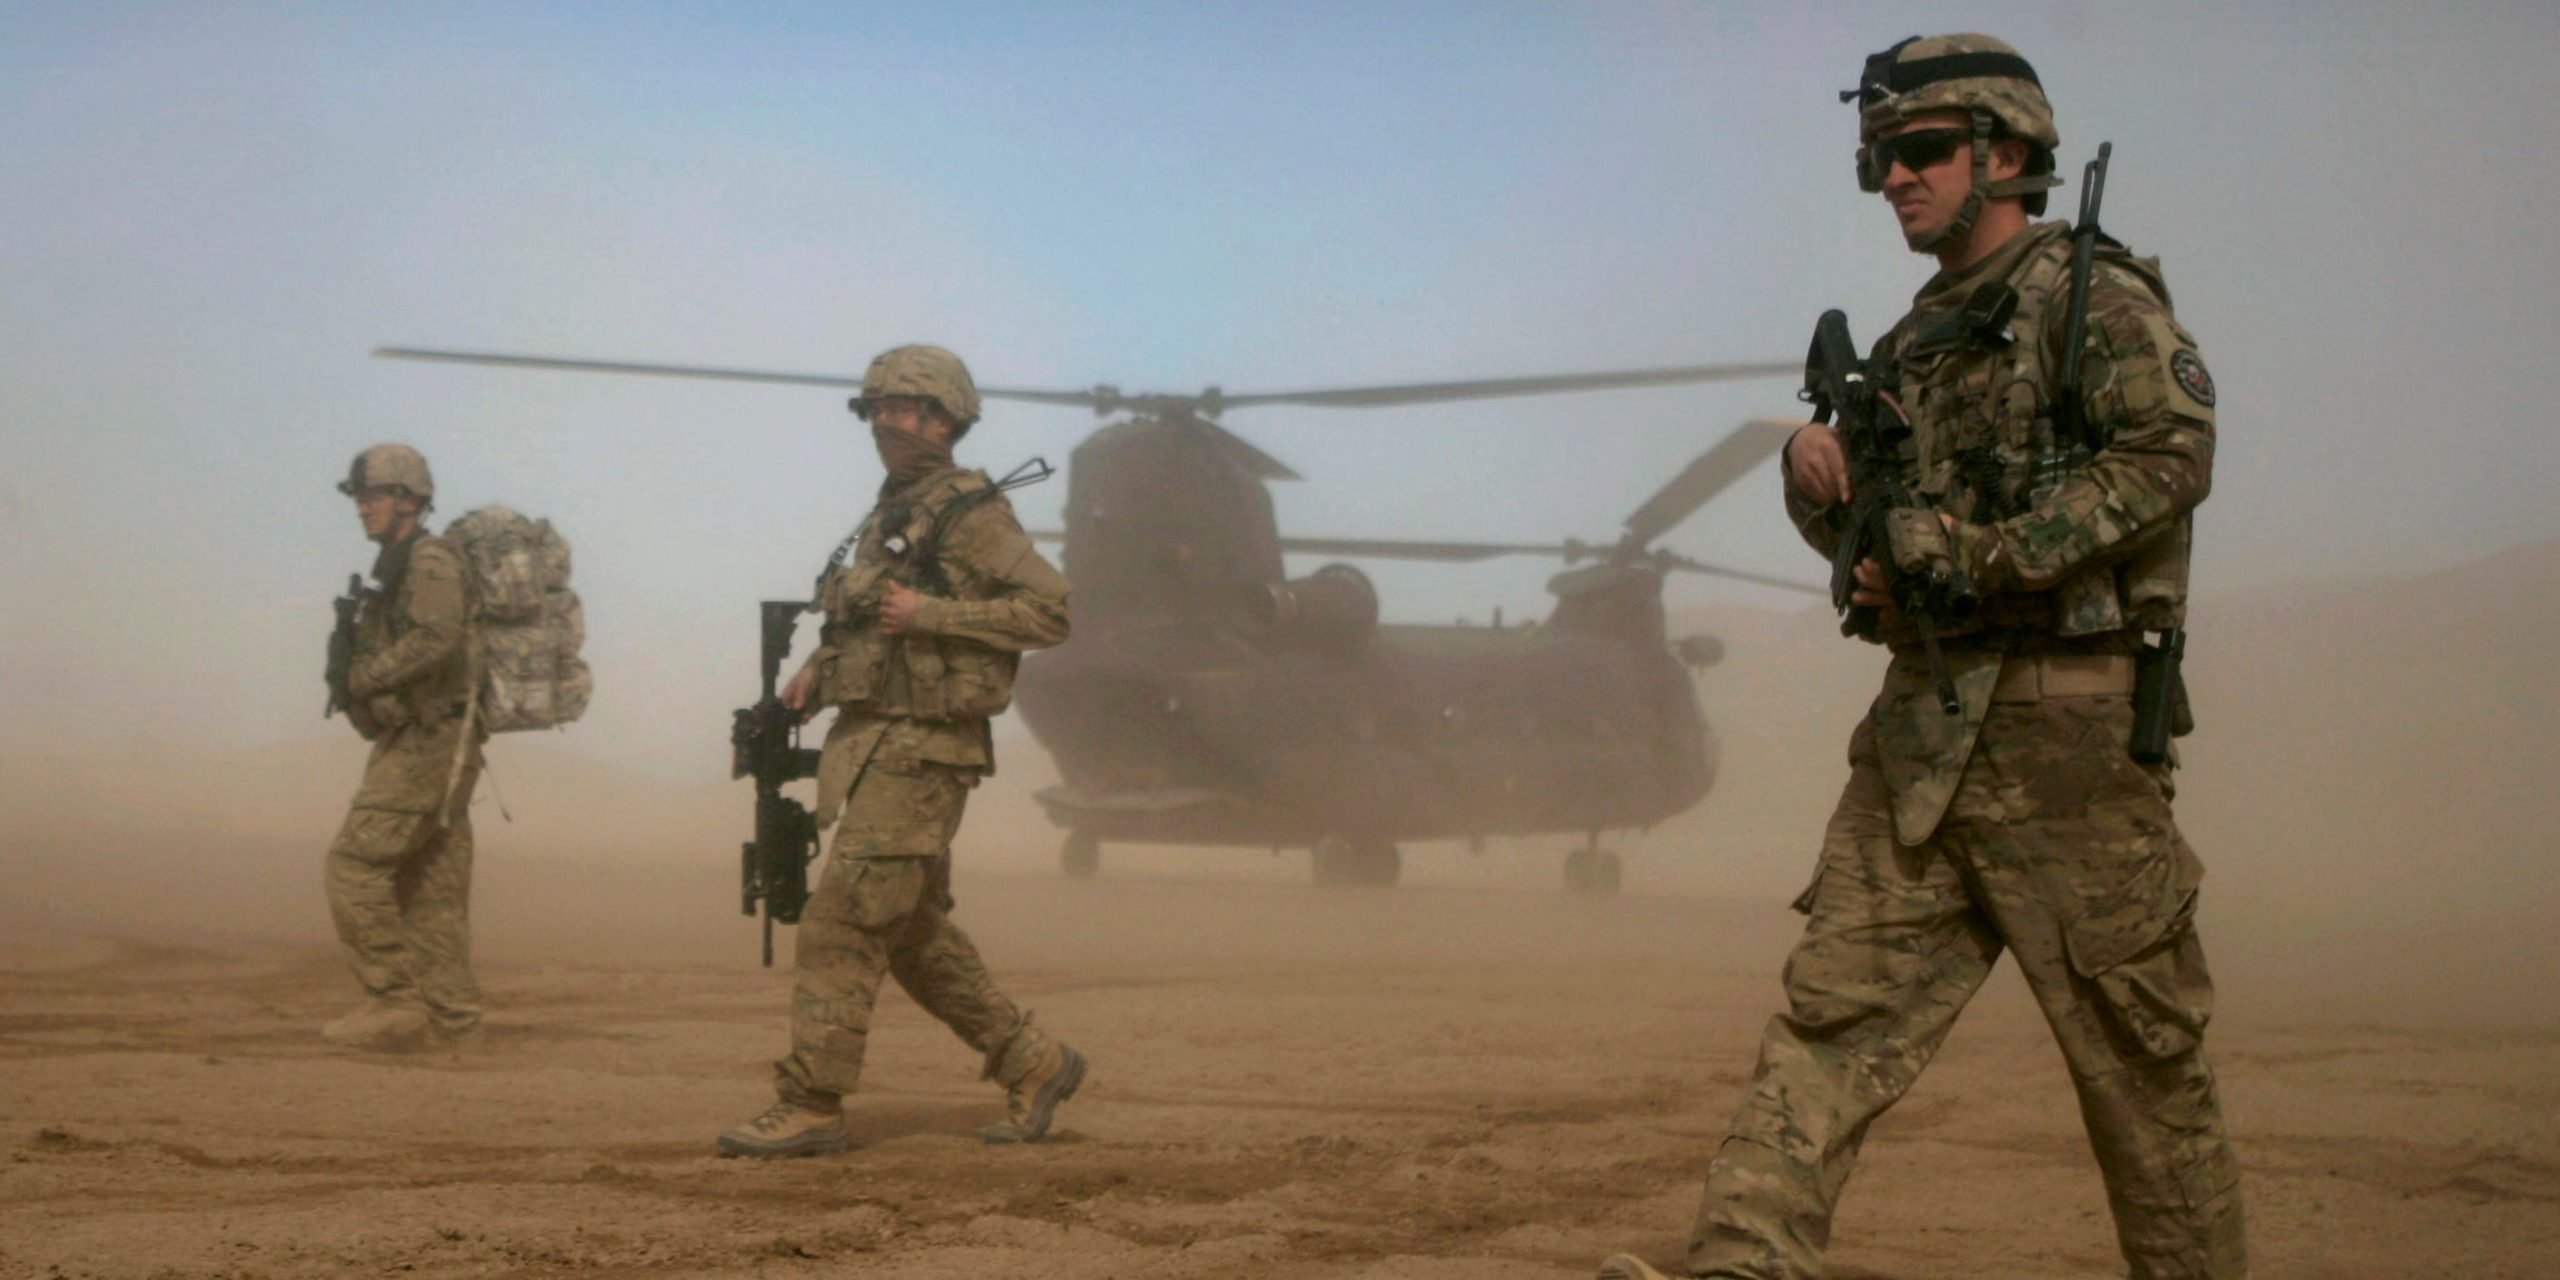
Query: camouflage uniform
point(399, 872)
point(2019, 823)
point(909, 741)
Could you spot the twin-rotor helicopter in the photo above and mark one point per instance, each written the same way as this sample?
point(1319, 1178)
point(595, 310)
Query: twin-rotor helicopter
point(1207, 698)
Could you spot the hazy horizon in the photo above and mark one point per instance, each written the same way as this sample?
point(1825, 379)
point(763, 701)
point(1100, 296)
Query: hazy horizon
point(216, 214)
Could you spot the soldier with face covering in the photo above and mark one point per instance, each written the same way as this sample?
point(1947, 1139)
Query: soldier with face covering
point(925, 623)
point(2019, 823)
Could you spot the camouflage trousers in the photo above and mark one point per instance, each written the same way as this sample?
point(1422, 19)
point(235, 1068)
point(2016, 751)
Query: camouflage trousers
point(399, 881)
point(2062, 851)
point(882, 909)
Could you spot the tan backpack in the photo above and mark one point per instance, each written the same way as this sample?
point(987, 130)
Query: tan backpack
point(528, 625)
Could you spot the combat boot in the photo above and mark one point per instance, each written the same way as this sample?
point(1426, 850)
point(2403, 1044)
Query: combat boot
point(1034, 1098)
point(378, 1028)
point(788, 1129)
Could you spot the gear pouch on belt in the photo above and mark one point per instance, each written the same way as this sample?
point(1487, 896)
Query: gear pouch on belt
point(853, 673)
point(977, 681)
point(925, 672)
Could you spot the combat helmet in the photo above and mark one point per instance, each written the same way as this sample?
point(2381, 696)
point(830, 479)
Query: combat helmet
point(1979, 75)
point(930, 372)
point(390, 466)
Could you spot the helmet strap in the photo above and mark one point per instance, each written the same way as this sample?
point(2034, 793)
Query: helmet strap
point(1961, 225)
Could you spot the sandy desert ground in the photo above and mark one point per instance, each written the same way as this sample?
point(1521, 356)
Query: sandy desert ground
point(1446, 1080)
point(1473, 1075)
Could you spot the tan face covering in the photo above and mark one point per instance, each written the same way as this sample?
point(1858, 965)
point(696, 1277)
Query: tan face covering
point(908, 456)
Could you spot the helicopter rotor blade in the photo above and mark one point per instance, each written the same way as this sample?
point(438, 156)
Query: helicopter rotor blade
point(1109, 399)
point(1569, 552)
point(1445, 552)
point(1099, 398)
point(1489, 388)
point(1707, 475)
point(1392, 549)
point(1674, 560)
point(571, 364)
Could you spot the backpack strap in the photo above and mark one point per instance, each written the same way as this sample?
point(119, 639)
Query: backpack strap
point(971, 491)
point(955, 499)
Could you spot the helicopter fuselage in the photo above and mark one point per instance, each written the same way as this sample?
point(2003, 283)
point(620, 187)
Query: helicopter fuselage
point(1204, 698)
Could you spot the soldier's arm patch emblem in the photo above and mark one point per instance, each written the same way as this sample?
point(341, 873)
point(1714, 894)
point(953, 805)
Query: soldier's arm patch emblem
point(2188, 368)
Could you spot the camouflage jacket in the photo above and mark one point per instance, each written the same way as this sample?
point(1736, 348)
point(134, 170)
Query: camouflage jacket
point(2078, 565)
point(926, 696)
point(412, 660)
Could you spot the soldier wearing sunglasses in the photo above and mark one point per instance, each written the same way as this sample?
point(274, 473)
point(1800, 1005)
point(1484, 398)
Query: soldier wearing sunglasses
point(2020, 823)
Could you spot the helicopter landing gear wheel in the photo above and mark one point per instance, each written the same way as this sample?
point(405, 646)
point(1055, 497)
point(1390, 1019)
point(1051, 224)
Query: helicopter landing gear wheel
point(1593, 871)
point(1081, 857)
point(1362, 864)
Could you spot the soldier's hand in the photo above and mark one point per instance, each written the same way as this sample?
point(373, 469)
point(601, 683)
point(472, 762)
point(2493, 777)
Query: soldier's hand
point(1872, 593)
point(795, 695)
point(360, 714)
point(898, 608)
point(1816, 468)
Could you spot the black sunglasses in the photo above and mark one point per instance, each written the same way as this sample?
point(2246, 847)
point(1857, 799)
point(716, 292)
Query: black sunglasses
point(864, 406)
point(1916, 150)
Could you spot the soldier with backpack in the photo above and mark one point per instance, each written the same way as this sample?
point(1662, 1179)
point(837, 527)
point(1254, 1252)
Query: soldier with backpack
point(399, 872)
point(458, 636)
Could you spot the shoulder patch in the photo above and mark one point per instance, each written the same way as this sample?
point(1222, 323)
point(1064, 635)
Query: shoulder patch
point(2188, 368)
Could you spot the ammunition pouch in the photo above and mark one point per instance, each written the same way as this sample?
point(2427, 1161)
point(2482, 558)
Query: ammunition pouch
point(919, 677)
point(977, 682)
point(850, 674)
point(2155, 580)
point(2086, 603)
point(2146, 591)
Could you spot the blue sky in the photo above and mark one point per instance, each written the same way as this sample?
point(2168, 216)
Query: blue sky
point(213, 213)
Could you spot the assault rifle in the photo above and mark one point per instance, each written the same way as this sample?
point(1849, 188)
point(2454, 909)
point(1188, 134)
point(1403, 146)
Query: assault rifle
point(1887, 522)
point(764, 744)
point(2159, 688)
point(342, 647)
point(2074, 441)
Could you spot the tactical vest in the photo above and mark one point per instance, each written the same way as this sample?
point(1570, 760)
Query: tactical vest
point(442, 692)
point(1979, 396)
point(908, 539)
